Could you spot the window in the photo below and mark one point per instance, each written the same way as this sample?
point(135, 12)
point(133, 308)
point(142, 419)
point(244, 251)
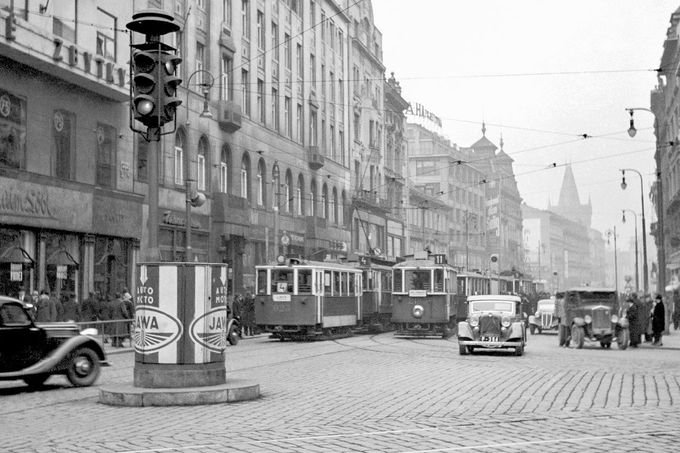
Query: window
point(287, 192)
point(312, 71)
point(341, 145)
point(300, 124)
point(260, 30)
point(106, 34)
point(299, 60)
point(299, 199)
point(287, 51)
point(227, 13)
point(276, 187)
point(312, 199)
point(323, 25)
point(323, 82)
point(245, 93)
point(106, 155)
point(312, 128)
point(341, 47)
point(245, 170)
point(201, 166)
point(225, 159)
point(260, 101)
point(142, 158)
point(179, 158)
point(357, 127)
point(334, 208)
point(333, 151)
point(324, 202)
point(226, 88)
point(287, 117)
point(275, 41)
point(12, 130)
point(275, 109)
point(200, 63)
point(63, 144)
point(261, 171)
point(65, 24)
point(245, 18)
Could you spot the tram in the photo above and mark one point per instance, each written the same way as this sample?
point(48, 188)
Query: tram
point(423, 293)
point(470, 284)
point(306, 300)
point(376, 300)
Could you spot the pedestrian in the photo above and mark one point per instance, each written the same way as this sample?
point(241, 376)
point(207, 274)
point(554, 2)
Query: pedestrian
point(89, 309)
point(129, 311)
point(648, 305)
point(563, 333)
point(658, 320)
point(58, 302)
point(33, 304)
point(248, 313)
point(120, 316)
point(71, 308)
point(45, 309)
point(106, 316)
point(633, 314)
point(676, 309)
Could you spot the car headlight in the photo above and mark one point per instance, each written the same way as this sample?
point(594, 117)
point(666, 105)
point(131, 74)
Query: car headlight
point(505, 322)
point(587, 319)
point(538, 314)
point(615, 319)
point(474, 321)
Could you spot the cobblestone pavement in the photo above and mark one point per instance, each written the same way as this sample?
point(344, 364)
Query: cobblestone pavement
point(378, 394)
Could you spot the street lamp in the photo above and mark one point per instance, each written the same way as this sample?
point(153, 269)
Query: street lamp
point(637, 267)
point(616, 264)
point(645, 275)
point(193, 197)
point(660, 235)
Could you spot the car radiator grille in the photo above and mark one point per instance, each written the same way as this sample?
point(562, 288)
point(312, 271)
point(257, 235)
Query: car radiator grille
point(546, 319)
point(601, 319)
point(489, 326)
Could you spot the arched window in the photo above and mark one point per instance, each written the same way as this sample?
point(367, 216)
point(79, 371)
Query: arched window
point(179, 158)
point(334, 208)
point(287, 192)
point(225, 164)
point(245, 177)
point(312, 198)
point(202, 164)
point(299, 196)
point(276, 186)
point(324, 202)
point(261, 189)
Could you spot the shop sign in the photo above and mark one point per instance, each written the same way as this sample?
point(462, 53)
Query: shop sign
point(89, 63)
point(15, 272)
point(296, 239)
point(120, 217)
point(62, 272)
point(210, 329)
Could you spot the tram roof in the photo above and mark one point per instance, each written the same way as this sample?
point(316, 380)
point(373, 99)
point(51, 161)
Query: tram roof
point(422, 264)
point(306, 264)
point(590, 289)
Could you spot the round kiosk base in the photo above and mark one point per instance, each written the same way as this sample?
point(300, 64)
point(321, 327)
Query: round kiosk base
point(154, 375)
point(230, 392)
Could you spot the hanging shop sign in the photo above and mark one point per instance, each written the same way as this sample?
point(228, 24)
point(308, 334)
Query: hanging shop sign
point(62, 272)
point(16, 272)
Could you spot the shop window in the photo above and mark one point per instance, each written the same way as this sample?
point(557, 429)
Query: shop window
point(12, 130)
point(111, 266)
point(63, 144)
point(62, 252)
point(17, 264)
point(106, 155)
point(106, 35)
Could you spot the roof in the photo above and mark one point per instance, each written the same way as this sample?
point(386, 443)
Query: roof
point(592, 289)
point(483, 143)
point(421, 263)
point(500, 297)
point(569, 193)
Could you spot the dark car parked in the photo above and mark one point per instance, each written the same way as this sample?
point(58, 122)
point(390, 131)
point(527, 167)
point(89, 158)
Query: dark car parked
point(33, 352)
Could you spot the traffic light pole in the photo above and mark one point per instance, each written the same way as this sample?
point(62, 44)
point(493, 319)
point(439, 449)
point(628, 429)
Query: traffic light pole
point(153, 252)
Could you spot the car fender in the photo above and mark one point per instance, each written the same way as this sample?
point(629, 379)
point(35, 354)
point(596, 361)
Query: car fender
point(464, 330)
point(516, 330)
point(532, 320)
point(579, 322)
point(57, 359)
point(232, 322)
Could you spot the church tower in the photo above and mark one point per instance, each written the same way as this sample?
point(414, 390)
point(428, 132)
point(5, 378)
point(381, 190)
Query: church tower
point(569, 205)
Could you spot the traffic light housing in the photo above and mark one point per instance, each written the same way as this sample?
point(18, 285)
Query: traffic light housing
point(10, 27)
point(169, 84)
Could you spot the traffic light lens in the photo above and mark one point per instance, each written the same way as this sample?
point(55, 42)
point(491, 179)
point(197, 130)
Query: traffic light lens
point(170, 67)
point(144, 106)
point(144, 62)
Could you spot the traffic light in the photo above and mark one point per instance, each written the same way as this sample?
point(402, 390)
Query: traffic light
point(170, 82)
point(145, 87)
point(494, 258)
point(10, 27)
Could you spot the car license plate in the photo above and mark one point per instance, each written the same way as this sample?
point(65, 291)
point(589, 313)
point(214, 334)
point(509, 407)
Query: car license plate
point(489, 339)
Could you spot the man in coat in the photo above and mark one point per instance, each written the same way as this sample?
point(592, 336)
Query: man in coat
point(46, 311)
point(634, 316)
point(71, 308)
point(561, 314)
point(658, 320)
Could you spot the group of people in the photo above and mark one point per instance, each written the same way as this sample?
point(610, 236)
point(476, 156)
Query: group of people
point(111, 310)
point(646, 318)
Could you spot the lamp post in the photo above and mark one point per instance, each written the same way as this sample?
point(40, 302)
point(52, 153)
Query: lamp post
point(616, 264)
point(661, 249)
point(193, 197)
point(637, 267)
point(645, 272)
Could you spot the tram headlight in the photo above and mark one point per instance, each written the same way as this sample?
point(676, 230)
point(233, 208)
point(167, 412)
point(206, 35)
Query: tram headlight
point(588, 319)
point(615, 319)
point(505, 322)
point(418, 311)
point(474, 321)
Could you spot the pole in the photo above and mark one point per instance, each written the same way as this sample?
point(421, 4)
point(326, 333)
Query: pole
point(616, 270)
point(153, 252)
point(539, 260)
point(467, 242)
point(637, 266)
point(422, 214)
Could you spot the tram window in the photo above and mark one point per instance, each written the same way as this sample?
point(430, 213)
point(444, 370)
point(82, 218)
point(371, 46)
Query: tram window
point(352, 289)
point(396, 281)
point(368, 278)
point(417, 279)
point(327, 281)
point(386, 281)
point(282, 281)
point(439, 280)
point(336, 283)
point(262, 281)
point(343, 283)
point(304, 281)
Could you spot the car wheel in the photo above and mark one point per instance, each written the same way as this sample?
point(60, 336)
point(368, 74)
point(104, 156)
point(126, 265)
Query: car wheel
point(233, 336)
point(578, 336)
point(463, 350)
point(623, 338)
point(519, 350)
point(36, 380)
point(532, 329)
point(83, 368)
point(540, 331)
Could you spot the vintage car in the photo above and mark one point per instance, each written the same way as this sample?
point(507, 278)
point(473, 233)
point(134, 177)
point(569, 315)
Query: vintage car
point(544, 318)
point(33, 352)
point(592, 314)
point(493, 322)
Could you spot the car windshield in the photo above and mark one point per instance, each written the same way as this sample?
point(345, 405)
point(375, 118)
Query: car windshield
point(491, 305)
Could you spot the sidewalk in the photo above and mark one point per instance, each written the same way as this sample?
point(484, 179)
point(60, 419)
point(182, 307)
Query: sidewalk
point(670, 341)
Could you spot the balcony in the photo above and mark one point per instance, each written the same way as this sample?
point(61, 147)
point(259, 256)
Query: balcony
point(369, 200)
point(229, 116)
point(315, 159)
point(228, 207)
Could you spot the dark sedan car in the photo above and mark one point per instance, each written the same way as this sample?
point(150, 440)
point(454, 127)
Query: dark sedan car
point(33, 352)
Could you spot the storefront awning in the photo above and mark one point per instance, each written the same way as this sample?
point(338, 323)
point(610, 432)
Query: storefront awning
point(16, 254)
point(61, 258)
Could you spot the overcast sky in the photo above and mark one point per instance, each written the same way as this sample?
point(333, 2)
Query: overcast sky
point(541, 73)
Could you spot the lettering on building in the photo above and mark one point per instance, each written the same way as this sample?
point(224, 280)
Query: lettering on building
point(423, 113)
point(101, 69)
point(30, 202)
point(170, 218)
